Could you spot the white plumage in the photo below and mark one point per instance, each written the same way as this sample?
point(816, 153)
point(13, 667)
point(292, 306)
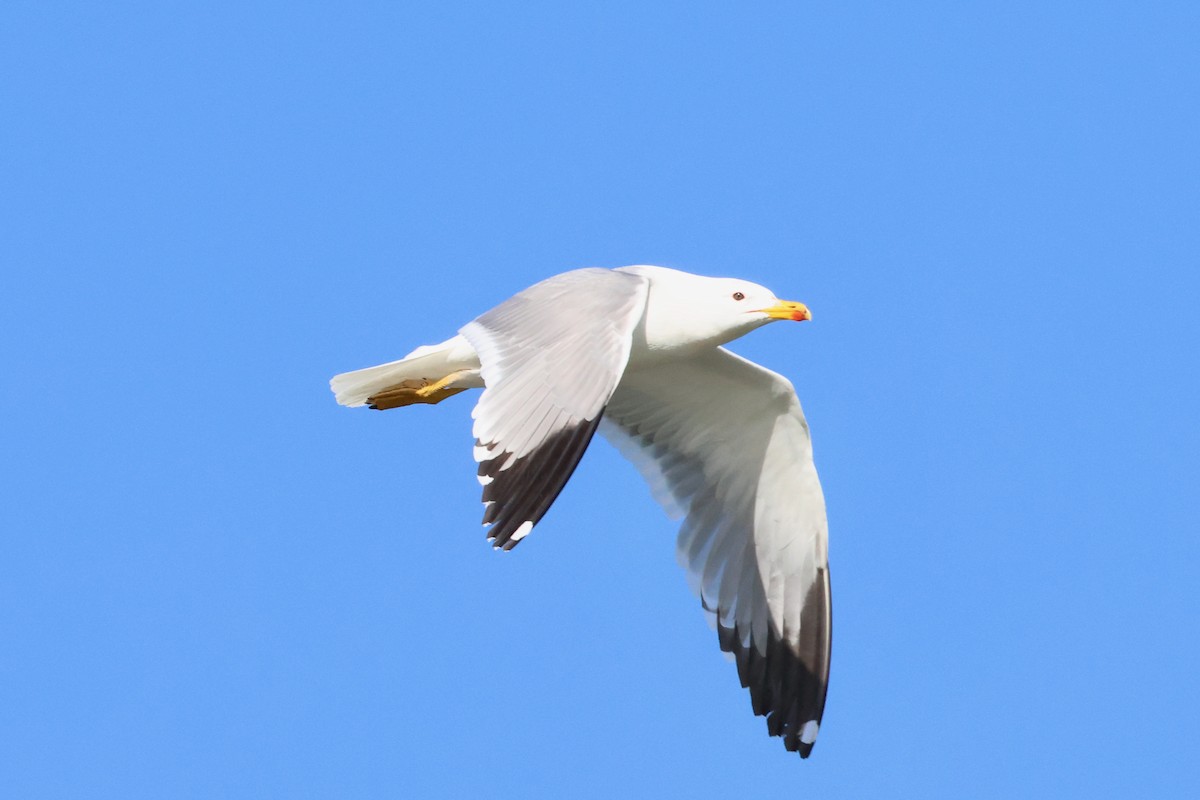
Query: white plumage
point(636, 353)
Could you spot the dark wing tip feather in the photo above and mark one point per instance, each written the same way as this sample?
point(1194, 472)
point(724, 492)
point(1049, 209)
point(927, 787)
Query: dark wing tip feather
point(788, 684)
point(524, 492)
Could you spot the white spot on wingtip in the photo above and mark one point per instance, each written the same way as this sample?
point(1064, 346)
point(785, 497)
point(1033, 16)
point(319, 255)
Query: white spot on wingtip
point(808, 734)
point(481, 453)
point(522, 531)
point(484, 480)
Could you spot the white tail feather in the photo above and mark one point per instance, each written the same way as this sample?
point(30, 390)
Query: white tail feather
point(430, 363)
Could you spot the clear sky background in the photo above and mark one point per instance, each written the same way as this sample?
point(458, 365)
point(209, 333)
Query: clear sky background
point(215, 582)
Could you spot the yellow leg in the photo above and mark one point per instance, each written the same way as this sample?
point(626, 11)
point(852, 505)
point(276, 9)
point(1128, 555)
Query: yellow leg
point(411, 392)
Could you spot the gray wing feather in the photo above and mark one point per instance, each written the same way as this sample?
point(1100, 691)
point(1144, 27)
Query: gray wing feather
point(550, 358)
point(725, 441)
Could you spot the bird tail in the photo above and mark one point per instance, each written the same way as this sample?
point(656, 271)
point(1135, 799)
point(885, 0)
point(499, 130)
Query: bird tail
point(412, 379)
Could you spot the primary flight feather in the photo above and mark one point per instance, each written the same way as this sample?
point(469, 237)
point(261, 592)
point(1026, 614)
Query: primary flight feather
point(636, 353)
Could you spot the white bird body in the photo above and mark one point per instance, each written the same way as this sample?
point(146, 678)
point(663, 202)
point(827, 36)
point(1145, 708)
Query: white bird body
point(636, 353)
point(671, 325)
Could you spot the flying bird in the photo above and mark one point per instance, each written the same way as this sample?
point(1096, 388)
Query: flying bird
point(636, 353)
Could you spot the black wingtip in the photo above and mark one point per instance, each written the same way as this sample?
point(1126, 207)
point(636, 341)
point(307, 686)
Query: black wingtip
point(788, 683)
point(519, 494)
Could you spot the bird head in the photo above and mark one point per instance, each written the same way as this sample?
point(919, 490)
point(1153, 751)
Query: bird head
point(686, 309)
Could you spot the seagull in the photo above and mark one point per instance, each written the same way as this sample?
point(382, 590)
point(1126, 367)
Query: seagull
point(636, 353)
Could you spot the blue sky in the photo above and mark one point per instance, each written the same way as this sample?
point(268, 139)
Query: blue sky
point(216, 582)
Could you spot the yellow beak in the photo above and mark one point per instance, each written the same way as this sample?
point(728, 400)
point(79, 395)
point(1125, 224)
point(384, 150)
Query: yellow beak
point(786, 309)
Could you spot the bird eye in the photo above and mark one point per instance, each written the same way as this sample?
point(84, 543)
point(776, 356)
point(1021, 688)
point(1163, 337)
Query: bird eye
point(739, 296)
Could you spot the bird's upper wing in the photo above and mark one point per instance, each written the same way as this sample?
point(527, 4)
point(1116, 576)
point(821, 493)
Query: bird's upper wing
point(724, 441)
point(550, 358)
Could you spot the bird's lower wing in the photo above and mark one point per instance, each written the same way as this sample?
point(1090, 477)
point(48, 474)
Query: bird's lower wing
point(550, 358)
point(724, 442)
